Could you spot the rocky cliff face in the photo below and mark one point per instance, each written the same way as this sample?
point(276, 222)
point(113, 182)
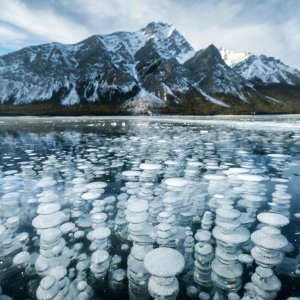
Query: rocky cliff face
point(136, 72)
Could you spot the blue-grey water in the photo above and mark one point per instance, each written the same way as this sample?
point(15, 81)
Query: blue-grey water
point(101, 148)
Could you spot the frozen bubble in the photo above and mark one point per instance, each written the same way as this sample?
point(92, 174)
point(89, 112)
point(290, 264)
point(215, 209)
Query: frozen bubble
point(191, 291)
point(245, 259)
point(11, 196)
point(125, 247)
point(269, 238)
point(203, 235)
point(83, 295)
point(48, 196)
point(131, 173)
point(297, 215)
point(273, 219)
point(99, 233)
point(119, 275)
point(79, 234)
point(204, 296)
point(47, 282)
point(237, 236)
point(79, 189)
point(91, 195)
point(138, 206)
point(21, 258)
point(136, 218)
point(48, 208)
point(41, 265)
point(99, 218)
point(164, 262)
point(57, 250)
point(216, 177)
point(96, 185)
point(22, 237)
point(67, 227)
point(50, 235)
point(253, 198)
point(203, 249)
point(233, 296)
point(99, 257)
point(46, 182)
point(150, 167)
point(47, 289)
point(123, 197)
point(81, 286)
point(176, 182)
point(250, 177)
point(2, 229)
point(228, 213)
point(110, 199)
point(235, 171)
point(264, 278)
point(12, 221)
point(277, 155)
point(58, 272)
point(166, 216)
point(194, 164)
point(230, 272)
point(171, 163)
point(48, 221)
point(78, 180)
point(164, 227)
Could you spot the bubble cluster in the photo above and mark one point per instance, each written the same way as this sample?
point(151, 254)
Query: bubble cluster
point(147, 209)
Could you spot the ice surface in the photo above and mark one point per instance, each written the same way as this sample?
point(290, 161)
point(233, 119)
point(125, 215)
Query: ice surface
point(197, 186)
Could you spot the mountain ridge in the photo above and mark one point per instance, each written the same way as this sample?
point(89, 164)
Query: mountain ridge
point(154, 69)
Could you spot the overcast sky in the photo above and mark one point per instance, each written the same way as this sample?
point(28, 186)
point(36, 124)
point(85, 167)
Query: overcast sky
point(271, 27)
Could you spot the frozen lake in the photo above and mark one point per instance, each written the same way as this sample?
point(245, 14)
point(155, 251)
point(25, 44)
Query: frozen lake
point(138, 207)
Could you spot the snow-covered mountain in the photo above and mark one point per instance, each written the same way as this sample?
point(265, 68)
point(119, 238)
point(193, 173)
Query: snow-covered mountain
point(136, 72)
point(100, 67)
point(260, 69)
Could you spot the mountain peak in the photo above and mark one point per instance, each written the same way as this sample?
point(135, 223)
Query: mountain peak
point(212, 48)
point(155, 28)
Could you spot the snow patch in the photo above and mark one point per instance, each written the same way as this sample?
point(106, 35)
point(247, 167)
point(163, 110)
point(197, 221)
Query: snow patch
point(183, 57)
point(143, 102)
point(72, 98)
point(232, 58)
point(273, 99)
point(210, 98)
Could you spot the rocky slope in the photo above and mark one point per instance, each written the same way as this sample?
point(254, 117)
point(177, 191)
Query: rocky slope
point(152, 70)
